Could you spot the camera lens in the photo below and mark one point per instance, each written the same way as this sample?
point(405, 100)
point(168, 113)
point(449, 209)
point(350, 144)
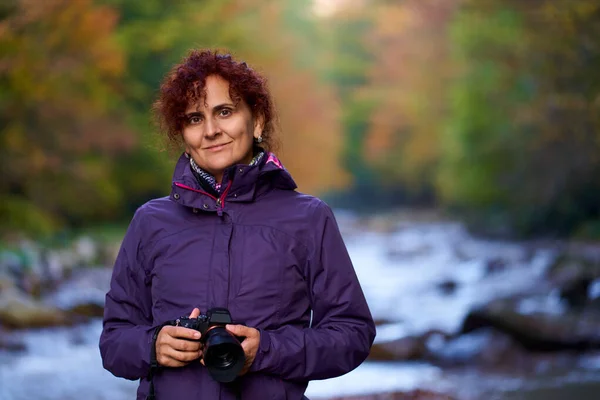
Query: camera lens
point(223, 357)
point(223, 354)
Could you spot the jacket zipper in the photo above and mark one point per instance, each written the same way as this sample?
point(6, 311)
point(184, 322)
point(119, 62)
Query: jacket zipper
point(220, 202)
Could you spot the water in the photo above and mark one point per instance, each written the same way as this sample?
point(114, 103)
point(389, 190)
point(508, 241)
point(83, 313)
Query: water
point(401, 275)
point(63, 363)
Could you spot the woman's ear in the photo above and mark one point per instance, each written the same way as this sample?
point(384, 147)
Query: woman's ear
point(259, 125)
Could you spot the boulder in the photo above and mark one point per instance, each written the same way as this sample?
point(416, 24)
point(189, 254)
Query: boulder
point(412, 395)
point(18, 311)
point(538, 330)
point(413, 347)
point(406, 348)
point(483, 347)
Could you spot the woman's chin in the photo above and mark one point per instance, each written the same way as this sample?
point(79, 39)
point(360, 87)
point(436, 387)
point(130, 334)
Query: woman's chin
point(218, 162)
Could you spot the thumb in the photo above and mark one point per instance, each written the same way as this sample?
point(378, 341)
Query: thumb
point(195, 313)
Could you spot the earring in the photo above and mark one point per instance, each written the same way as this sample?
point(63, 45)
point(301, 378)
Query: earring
point(259, 139)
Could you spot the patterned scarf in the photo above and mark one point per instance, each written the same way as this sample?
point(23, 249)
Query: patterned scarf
point(206, 180)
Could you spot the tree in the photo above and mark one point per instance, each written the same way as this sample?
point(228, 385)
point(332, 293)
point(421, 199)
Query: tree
point(522, 142)
point(58, 113)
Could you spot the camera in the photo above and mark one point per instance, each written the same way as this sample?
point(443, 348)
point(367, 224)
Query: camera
point(223, 354)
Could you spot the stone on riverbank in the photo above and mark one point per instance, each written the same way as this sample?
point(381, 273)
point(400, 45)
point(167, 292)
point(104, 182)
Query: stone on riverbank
point(412, 395)
point(18, 311)
point(536, 329)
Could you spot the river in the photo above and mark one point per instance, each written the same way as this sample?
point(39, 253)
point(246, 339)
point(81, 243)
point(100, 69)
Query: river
point(402, 271)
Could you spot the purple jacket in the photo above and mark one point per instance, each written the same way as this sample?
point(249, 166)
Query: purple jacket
point(264, 251)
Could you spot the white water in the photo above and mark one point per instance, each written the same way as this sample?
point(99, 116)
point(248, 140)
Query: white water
point(64, 363)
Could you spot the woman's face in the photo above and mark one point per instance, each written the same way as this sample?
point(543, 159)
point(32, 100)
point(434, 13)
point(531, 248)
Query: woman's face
point(217, 132)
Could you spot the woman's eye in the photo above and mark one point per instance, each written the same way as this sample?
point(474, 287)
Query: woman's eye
point(195, 120)
point(225, 113)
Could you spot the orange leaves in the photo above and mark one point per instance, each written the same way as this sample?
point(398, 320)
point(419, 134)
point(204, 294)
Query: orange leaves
point(408, 78)
point(60, 66)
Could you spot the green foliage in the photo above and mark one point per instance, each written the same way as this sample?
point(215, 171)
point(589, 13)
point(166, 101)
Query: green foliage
point(77, 81)
point(481, 145)
point(490, 108)
point(521, 148)
point(347, 70)
point(21, 215)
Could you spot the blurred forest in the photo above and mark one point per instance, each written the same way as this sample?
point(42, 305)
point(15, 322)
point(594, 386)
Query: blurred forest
point(487, 109)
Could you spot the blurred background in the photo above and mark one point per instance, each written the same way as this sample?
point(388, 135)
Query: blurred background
point(457, 140)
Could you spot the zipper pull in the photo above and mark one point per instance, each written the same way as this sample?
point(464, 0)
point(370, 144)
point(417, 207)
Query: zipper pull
point(219, 208)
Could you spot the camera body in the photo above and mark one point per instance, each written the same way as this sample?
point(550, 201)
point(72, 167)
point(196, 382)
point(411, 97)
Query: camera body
point(214, 317)
point(222, 353)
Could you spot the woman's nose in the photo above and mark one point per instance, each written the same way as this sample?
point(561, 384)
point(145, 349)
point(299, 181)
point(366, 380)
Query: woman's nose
point(212, 127)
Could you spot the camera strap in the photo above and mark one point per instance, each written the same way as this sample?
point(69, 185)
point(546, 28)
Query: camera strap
point(153, 362)
point(236, 388)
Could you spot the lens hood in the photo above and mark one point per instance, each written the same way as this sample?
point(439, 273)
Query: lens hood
point(223, 354)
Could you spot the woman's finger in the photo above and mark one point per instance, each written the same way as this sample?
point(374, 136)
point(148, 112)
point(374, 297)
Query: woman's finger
point(182, 356)
point(179, 332)
point(173, 363)
point(185, 345)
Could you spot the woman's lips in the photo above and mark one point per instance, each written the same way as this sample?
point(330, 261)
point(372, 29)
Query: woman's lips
point(216, 147)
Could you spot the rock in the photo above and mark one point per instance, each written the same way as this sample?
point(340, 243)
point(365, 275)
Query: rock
point(412, 395)
point(575, 293)
point(405, 348)
point(83, 294)
point(537, 330)
point(574, 264)
point(89, 310)
point(495, 265)
point(447, 287)
point(483, 347)
point(381, 321)
point(18, 311)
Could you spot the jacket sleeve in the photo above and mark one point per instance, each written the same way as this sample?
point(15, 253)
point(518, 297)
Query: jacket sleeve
point(342, 329)
point(126, 338)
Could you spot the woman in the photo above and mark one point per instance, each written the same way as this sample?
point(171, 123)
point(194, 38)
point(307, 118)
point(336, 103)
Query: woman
point(234, 233)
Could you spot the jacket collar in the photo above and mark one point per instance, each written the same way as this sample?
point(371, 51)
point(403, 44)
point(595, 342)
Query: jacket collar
point(242, 183)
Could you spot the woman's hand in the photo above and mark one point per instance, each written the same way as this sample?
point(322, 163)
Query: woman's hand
point(177, 346)
point(250, 344)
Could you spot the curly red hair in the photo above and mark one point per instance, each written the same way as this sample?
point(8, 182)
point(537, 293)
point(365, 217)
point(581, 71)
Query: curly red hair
point(186, 82)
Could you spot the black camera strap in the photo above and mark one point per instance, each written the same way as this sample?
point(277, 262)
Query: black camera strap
point(153, 362)
point(236, 388)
